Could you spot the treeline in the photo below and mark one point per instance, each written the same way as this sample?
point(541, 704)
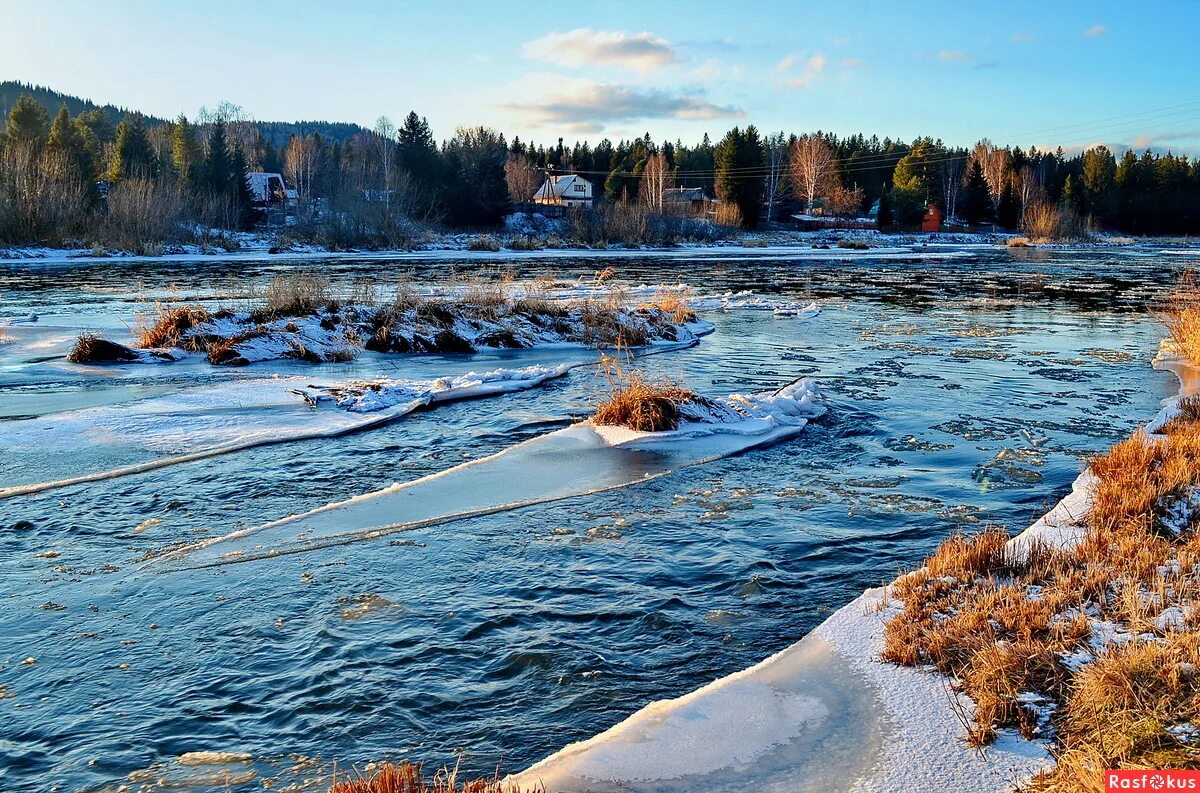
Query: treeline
point(82, 177)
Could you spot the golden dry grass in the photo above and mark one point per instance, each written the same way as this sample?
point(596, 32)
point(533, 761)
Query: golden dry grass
point(1182, 317)
point(673, 303)
point(408, 778)
point(642, 406)
point(1001, 625)
point(169, 326)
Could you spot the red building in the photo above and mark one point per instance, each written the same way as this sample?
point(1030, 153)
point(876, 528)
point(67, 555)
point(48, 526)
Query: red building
point(932, 220)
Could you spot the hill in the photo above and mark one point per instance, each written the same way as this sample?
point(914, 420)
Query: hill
point(277, 132)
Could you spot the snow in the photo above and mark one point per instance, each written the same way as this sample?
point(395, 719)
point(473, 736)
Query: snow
point(113, 440)
point(579, 460)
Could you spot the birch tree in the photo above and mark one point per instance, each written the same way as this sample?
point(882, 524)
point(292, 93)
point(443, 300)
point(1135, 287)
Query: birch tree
point(657, 178)
point(776, 159)
point(521, 177)
point(385, 144)
point(814, 168)
point(300, 161)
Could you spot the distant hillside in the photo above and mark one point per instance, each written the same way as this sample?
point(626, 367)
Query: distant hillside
point(52, 100)
point(277, 132)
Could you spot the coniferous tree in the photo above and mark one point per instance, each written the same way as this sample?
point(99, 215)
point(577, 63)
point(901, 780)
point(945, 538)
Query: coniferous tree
point(28, 123)
point(738, 160)
point(975, 205)
point(66, 142)
point(884, 218)
point(132, 154)
point(417, 154)
point(218, 164)
point(186, 153)
point(242, 198)
point(1008, 209)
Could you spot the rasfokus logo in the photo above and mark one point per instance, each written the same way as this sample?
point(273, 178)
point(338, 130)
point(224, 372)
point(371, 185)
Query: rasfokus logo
point(1151, 780)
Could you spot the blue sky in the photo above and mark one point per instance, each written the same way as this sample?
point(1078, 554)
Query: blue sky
point(1046, 73)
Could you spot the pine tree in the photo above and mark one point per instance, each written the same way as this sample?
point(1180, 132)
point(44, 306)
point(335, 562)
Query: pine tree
point(132, 155)
point(975, 206)
point(1072, 196)
point(186, 153)
point(28, 122)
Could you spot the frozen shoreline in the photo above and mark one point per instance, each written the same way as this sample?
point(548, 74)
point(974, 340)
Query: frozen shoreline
point(814, 244)
point(824, 713)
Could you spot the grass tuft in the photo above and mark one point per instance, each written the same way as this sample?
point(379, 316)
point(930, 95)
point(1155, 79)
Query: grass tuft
point(170, 326)
point(408, 778)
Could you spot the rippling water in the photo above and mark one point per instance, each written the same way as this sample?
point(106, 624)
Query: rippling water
point(964, 390)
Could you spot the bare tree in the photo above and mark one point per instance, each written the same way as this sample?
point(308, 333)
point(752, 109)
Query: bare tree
point(300, 160)
point(1029, 188)
point(814, 169)
point(994, 162)
point(776, 150)
point(846, 202)
point(657, 179)
point(385, 143)
point(953, 174)
point(240, 128)
point(522, 178)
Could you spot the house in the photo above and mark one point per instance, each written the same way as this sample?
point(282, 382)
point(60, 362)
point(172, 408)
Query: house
point(932, 221)
point(268, 189)
point(688, 199)
point(566, 191)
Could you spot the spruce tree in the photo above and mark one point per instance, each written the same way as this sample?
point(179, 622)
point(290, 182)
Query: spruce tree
point(28, 122)
point(218, 165)
point(976, 202)
point(242, 197)
point(186, 154)
point(65, 142)
point(738, 160)
point(132, 153)
point(884, 218)
point(1008, 210)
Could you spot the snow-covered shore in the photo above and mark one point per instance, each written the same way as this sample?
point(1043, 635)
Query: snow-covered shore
point(254, 246)
point(823, 714)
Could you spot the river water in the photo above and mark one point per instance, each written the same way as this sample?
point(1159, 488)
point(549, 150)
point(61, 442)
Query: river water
point(965, 386)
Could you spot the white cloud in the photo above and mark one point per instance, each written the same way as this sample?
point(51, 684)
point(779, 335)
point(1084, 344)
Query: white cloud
point(953, 56)
point(808, 76)
point(578, 105)
point(639, 52)
point(852, 63)
point(711, 69)
point(1022, 38)
point(1095, 30)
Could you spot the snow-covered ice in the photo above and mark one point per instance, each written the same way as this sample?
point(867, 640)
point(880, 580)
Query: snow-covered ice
point(582, 459)
point(112, 440)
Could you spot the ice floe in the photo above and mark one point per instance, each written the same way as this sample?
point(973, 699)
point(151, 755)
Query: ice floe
point(103, 442)
point(579, 460)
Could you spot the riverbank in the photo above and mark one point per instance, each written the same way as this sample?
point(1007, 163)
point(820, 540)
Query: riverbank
point(258, 246)
point(827, 712)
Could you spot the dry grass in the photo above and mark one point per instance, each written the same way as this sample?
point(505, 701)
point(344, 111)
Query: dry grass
point(90, 348)
point(1182, 317)
point(169, 327)
point(1002, 624)
point(641, 406)
point(672, 302)
point(298, 295)
point(1046, 222)
point(1019, 242)
point(408, 778)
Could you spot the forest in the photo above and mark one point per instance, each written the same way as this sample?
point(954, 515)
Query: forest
point(84, 174)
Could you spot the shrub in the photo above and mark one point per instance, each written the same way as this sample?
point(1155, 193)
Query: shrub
point(142, 214)
point(1182, 317)
point(1046, 222)
point(483, 242)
